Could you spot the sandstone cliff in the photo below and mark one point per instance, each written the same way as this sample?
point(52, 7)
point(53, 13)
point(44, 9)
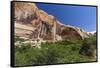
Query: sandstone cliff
point(33, 23)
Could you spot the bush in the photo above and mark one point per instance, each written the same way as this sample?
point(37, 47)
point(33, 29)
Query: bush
point(87, 48)
point(53, 53)
point(17, 38)
point(46, 56)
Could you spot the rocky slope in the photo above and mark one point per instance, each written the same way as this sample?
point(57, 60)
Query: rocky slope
point(33, 23)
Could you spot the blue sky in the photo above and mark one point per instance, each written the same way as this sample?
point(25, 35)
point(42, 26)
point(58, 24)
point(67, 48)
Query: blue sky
point(79, 16)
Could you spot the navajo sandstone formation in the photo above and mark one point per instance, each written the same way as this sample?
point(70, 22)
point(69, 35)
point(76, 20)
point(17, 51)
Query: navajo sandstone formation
point(33, 23)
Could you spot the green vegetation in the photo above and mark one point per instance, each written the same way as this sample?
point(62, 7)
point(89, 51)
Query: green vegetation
point(18, 39)
point(53, 53)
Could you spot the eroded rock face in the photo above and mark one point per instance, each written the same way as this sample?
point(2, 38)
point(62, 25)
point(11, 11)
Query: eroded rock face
point(70, 33)
point(24, 12)
point(33, 23)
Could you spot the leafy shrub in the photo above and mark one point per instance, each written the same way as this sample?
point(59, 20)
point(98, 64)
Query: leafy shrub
point(17, 38)
point(53, 53)
point(87, 48)
point(47, 56)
